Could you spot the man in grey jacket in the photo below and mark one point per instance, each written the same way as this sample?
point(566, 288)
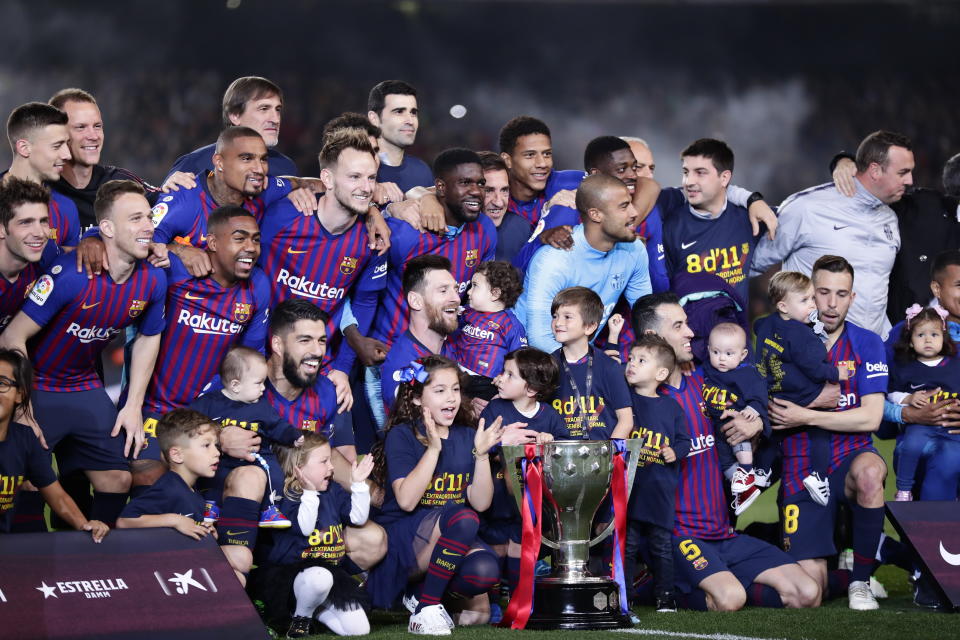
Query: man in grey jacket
point(863, 229)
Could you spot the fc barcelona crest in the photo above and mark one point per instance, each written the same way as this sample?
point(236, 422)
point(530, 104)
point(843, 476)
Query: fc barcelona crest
point(471, 258)
point(308, 425)
point(348, 265)
point(241, 312)
point(851, 366)
point(137, 307)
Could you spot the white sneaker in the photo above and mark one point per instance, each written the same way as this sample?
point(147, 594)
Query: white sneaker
point(411, 602)
point(762, 477)
point(877, 589)
point(860, 597)
point(742, 481)
point(818, 488)
point(431, 621)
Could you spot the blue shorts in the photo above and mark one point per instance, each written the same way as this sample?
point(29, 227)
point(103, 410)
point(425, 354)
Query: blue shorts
point(745, 557)
point(212, 488)
point(77, 426)
point(806, 527)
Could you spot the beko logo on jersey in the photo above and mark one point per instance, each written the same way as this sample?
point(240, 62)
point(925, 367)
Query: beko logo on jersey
point(701, 444)
point(300, 286)
point(202, 323)
point(876, 369)
point(91, 334)
point(379, 272)
point(478, 333)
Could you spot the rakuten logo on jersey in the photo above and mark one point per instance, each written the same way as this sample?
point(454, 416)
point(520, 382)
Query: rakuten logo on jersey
point(211, 325)
point(87, 335)
point(478, 333)
point(701, 444)
point(300, 286)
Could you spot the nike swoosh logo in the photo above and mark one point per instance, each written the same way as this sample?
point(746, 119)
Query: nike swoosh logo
point(838, 227)
point(952, 559)
point(687, 245)
point(89, 306)
point(236, 533)
point(917, 386)
point(450, 553)
point(294, 251)
point(189, 296)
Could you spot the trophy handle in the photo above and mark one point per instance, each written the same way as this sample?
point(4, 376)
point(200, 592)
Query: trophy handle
point(512, 455)
point(633, 448)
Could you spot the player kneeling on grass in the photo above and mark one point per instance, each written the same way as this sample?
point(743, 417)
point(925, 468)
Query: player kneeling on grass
point(188, 441)
point(22, 458)
point(432, 465)
point(299, 571)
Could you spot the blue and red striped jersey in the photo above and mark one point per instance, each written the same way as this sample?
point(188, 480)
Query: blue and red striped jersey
point(181, 216)
point(483, 339)
point(64, 218)
point(476, 243)
point(861, 351)
point(302, 259)
point(13, 294)
point(532, 210)
point(701, 505)
point(313, 410)
point(203, 320)
point(79, 317)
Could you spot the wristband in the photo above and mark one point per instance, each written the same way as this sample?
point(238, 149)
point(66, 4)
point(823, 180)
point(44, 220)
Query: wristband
point(756, 195)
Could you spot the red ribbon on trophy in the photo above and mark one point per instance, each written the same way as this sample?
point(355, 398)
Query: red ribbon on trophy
point(521, 602)
point(618, 487)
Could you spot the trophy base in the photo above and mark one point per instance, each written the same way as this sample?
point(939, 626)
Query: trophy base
point(577, 606)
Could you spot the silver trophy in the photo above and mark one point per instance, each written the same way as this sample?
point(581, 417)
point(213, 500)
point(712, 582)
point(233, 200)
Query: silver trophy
point(576, 479)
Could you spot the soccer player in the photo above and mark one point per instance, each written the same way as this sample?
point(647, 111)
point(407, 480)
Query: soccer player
point(513, 232)
point(469, 238)
point(385, 192)
point(716, 569)
point(822, 221)
point(392, 106)
point(308, 401)
point(326, 258)
point(74, 318)
point(432, 294)
point(24, 242)
point(609, 259)
point(83, 175)
point(204, 318)
point(706, 226)
point(40, 146)
point(250, 101)
point(856, 472)
point(527, 150)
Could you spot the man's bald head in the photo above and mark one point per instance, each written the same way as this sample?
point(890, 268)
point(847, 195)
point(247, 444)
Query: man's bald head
point(595, 190)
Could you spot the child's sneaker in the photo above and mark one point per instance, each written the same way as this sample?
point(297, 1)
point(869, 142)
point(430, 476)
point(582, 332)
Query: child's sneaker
point(211, 512)
point(666, 604)
point(762, 477)
point(496, 613)
point(818, 488)
point(903, 496)
point(742, 501)
point(742, 481)
point(271, 518)
point(431, 621)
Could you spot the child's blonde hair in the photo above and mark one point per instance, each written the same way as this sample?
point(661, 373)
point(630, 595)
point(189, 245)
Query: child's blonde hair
point(784, 282)
point(292, 458)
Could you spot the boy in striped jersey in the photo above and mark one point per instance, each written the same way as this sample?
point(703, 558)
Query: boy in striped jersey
point(73, 318)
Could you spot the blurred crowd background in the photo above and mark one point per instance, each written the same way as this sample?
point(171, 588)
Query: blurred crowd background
point(787, 84)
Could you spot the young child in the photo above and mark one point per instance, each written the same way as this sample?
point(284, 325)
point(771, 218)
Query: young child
point(241, 403)
point(925, 369)
point(792, 357)
point(488, 328)
point(529, 379)
point(732, 382)
point(660, 424)
point(298, 569)
point(188, 440)
point(436, 470)
point(593, 397)
point(23, 458)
